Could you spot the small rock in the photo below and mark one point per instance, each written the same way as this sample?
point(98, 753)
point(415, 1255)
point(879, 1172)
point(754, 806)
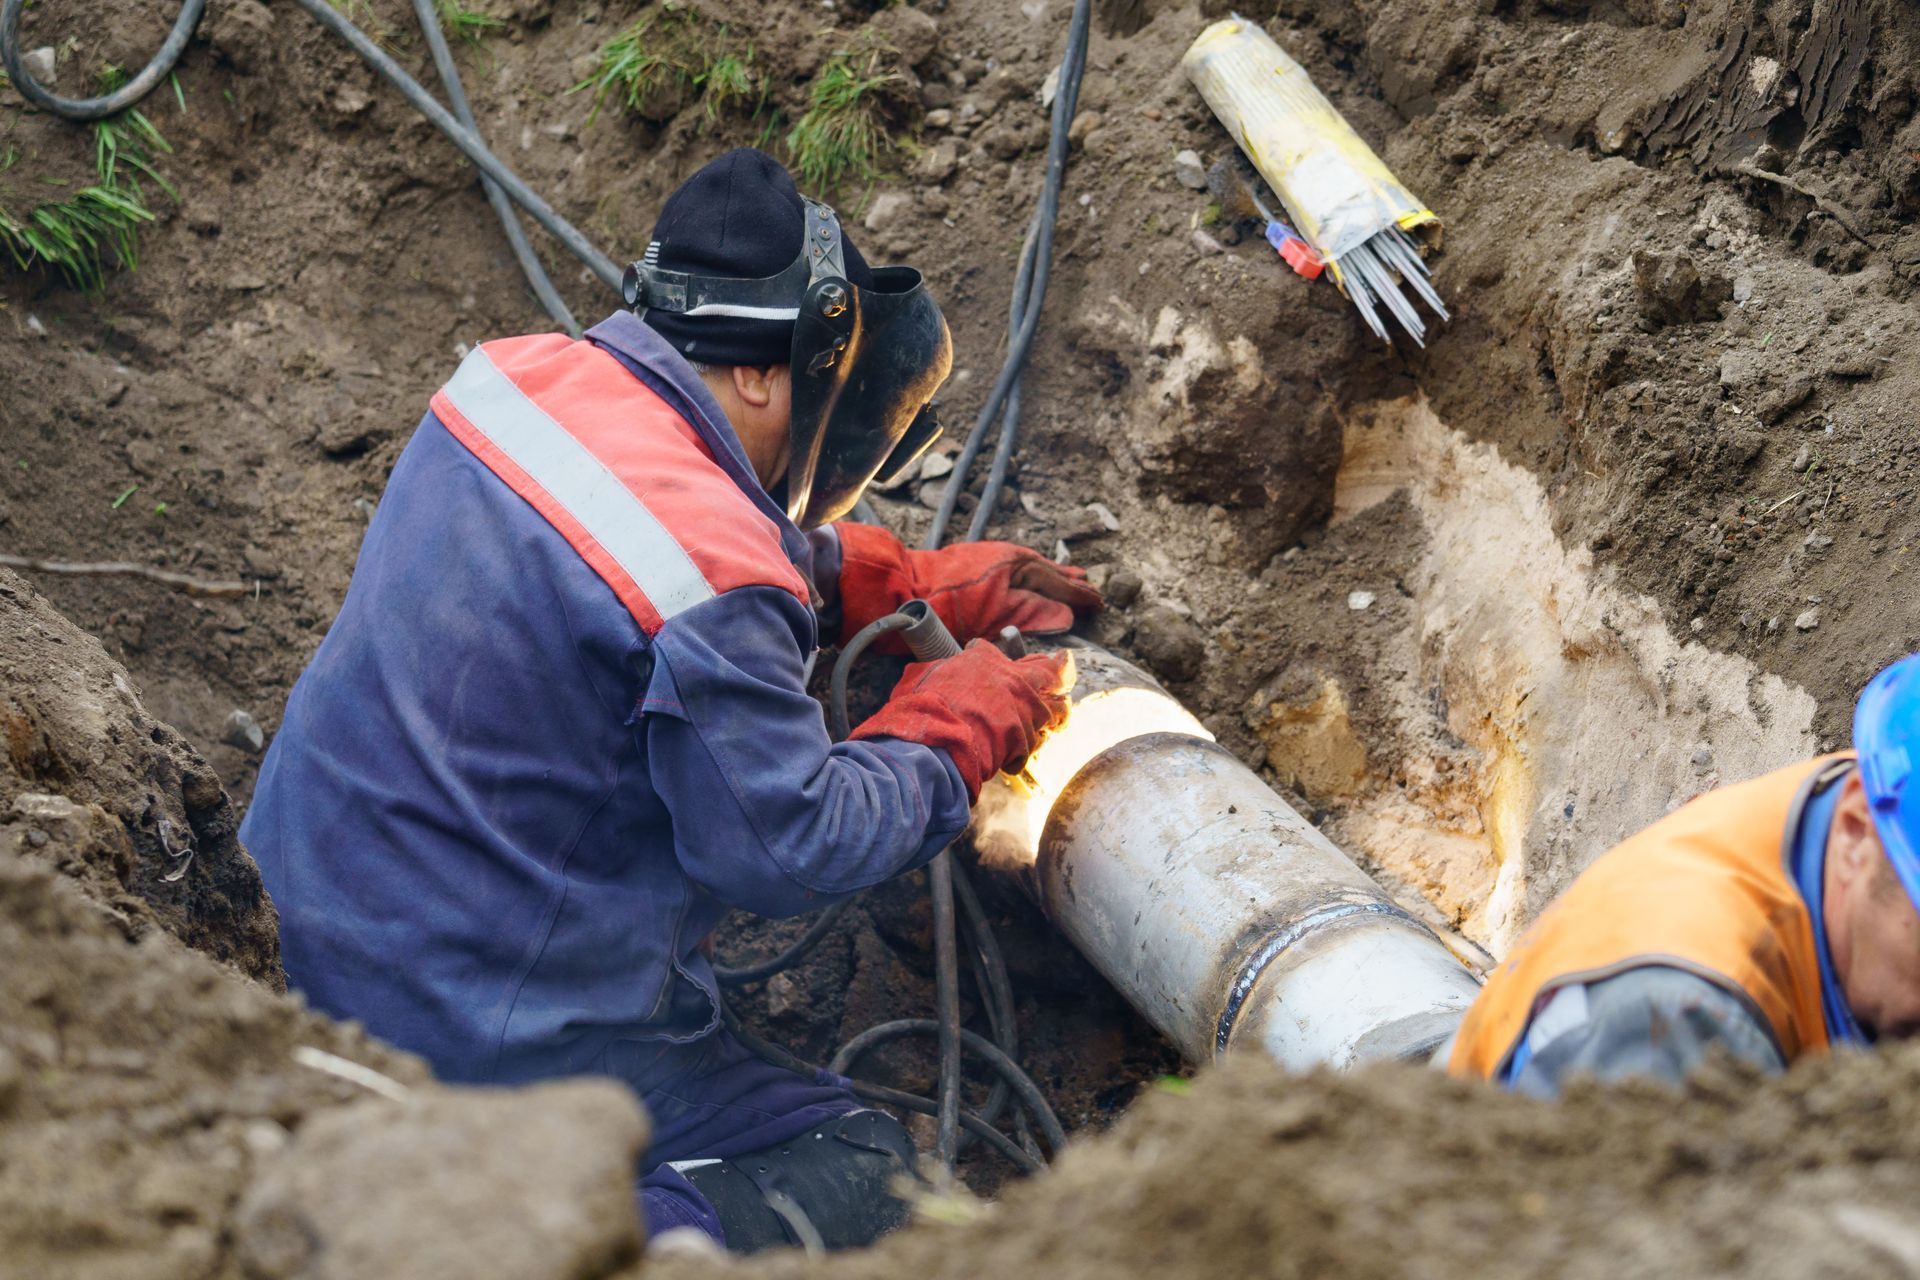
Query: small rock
point(913, 32)
point(1673, 290)
point(935, 465)
point(1742, 289)
point(928, 494)
point(1817, 541)
point(40, 64)
point(1773, 624)
point(1110, 629)
point(886, 209)
point(1083, 124)
point(1703, 759)
point(938, 162)
point(1189, 171)
point(1169, 643)
point(243, 731)
point(1206, 244)
point(1697, 625)
point(784, 996)
point(1098, 576)
point(1808, 620)
point(940, 118)
point(34, 326)
point(1803, 459)
point(1104, 514)
point(934, 95)
point(1123, 588)
point(1358, 600)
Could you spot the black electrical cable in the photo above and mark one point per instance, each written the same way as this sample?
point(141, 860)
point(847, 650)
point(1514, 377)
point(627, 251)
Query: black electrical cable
point(974, 1124)
point(120, 99)
point(1023, 1085)
point(523, 253)
point(822, 925)
point(1030, 285)
point(946, 997)
point(837, 685)
point(465, 139)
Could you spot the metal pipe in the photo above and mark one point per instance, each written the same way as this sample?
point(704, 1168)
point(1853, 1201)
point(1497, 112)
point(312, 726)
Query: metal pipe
point(1219, 912)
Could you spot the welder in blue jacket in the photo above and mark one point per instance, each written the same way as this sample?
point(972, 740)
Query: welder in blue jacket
point(560, 725)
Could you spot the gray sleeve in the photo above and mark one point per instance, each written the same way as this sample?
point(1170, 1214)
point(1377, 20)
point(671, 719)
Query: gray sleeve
point(1654, 1022)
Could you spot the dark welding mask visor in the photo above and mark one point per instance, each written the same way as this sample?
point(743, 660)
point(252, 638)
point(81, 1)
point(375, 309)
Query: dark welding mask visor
point(865, 361)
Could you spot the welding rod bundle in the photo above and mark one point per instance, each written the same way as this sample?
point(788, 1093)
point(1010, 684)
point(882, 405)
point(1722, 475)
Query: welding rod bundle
point(1359, 218)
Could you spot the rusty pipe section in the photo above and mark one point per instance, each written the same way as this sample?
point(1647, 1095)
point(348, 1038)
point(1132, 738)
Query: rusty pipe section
point(1221, 914)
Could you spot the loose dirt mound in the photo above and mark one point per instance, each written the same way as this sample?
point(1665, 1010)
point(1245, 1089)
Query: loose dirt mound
point(1402, 1172)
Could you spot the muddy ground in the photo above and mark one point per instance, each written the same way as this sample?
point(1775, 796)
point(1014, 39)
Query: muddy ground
point(1633, 524)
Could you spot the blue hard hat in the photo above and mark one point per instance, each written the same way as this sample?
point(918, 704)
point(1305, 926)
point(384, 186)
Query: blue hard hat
point(1886, 734)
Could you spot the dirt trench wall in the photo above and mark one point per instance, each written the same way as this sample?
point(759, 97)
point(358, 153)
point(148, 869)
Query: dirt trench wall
point(161, 1111)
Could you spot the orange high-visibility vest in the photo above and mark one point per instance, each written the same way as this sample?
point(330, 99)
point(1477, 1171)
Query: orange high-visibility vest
point(1706, 889)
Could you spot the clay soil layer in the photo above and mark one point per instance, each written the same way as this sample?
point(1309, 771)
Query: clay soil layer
point(1633, 524)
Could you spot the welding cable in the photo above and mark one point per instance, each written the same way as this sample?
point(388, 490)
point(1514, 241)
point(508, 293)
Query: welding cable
point(320, 11)
point(822, 925)
point(109, 104)
point(946, 999)
point(530, 265)
point(1030, 285)
point(465, 139)
point(1029, 1093)
point(837, 687)
point(972, 1123)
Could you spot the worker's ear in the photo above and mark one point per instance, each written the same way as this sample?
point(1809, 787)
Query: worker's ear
point(1853, 847)
point(758, 385)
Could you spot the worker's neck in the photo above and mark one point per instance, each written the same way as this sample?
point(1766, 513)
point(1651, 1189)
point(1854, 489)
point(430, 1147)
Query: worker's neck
point(764, 439)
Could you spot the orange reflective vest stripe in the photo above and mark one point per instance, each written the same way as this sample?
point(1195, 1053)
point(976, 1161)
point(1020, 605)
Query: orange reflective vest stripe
point(1706, 889)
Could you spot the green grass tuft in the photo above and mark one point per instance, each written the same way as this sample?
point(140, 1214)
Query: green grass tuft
point(73, 236)
point(673, 52)
point(843, 132)
point(471, 25)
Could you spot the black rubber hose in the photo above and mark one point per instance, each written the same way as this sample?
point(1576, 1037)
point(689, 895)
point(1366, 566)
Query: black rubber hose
point(1066, 98)
point(837, 686)
point(972, 1123)
point(1023, 1085)
point(978, 1127)
point(530, 265)
point(729, 976)
point(465, 139)
point(113, 103)
point(946, 999)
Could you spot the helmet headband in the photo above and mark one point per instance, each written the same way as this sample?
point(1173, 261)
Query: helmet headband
point(865, 362)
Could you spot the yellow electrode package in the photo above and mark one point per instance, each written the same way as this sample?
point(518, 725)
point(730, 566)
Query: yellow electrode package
point(1347, 204)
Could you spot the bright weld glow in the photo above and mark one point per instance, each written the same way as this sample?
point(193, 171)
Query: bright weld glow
point(1012, 812)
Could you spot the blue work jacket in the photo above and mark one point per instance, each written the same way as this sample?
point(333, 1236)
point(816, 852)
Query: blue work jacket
point(551, 739)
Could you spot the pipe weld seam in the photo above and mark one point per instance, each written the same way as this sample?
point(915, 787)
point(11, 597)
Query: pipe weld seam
point(1285, 936)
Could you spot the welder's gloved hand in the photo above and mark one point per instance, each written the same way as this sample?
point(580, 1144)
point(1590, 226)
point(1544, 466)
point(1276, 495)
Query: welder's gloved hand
point(984, 709)
point(977, 588)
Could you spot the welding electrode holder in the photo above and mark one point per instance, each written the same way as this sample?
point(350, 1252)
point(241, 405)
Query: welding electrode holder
point(926, 637)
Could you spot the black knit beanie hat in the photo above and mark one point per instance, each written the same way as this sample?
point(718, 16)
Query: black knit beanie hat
point(739, 216)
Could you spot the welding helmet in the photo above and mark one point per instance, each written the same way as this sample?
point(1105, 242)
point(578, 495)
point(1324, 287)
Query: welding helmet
point(865, 360)
point(1886, 736)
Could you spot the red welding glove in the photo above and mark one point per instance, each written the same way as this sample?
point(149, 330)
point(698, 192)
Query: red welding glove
point(984, 709)
point(977, 588)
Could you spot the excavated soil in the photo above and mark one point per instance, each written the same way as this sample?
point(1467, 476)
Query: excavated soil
point(1632, 525)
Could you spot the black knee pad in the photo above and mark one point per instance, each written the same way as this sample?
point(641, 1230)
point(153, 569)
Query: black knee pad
point(831, 1186)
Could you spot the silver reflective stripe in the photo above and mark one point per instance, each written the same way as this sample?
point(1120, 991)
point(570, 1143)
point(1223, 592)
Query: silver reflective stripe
point(579, 482)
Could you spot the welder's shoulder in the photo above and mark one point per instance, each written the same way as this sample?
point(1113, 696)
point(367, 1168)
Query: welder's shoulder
point(558, 419)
